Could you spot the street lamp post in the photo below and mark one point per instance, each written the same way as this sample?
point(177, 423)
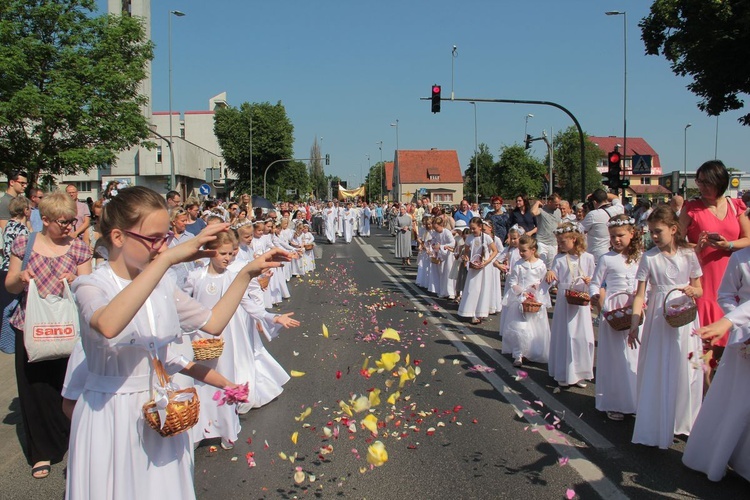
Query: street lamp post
point(172, 181)
point(395, 160)
point(382, 170)
point(624, 15)
point(476, 158)
point(526, 126)
point(369, 166)
point(684, 185)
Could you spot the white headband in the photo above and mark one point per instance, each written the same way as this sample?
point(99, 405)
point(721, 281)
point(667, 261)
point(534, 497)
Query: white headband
point(621, 222)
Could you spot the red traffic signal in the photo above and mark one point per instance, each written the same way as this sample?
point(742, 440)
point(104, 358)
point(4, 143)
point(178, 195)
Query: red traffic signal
point(436, 98)
point(614, 158)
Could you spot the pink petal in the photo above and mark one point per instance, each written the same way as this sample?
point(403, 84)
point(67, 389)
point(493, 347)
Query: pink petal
point(570, 494)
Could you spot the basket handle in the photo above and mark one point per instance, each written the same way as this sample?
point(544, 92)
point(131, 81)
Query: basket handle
point(666, 297)
point(616, 294)
point(160, 371)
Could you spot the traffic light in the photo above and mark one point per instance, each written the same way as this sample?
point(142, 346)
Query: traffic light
point(527, 142)
point(436, 98)
point(612, 177)
point(328, 159)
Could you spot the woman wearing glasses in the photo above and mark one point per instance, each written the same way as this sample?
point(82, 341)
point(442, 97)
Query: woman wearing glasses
point(55, 257)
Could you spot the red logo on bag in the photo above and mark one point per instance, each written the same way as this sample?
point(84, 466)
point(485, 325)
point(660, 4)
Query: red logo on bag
point(54, 331)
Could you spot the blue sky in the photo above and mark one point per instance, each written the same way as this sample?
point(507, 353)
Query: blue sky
point(346, 70)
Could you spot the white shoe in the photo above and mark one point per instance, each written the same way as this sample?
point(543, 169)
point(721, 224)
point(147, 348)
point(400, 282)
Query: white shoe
point(581, 384)
point(243, 408)
point(518, 361)
point(226, 444)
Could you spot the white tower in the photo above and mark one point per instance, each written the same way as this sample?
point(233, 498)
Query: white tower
point(141, 9)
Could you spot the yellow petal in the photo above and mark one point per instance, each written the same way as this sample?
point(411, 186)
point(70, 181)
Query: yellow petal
point(393, 398)
point(408, 358)
point(361, 404)
point(346, 408)
point(390, 333)
point(365, 363)
point(374, 397)
point(325, 330)
point(306, 413)
point(295, 435)
point(405, 374)
point(376, 454)
point(282, 456)
point(299, 477)
point(388, 360)
point(370, 422)
point(327, 431)
point(295, 373)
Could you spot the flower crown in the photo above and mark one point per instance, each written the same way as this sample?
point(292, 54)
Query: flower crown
point(568, 229)
point(244, 223)
point(515, 227)
point(621, 222)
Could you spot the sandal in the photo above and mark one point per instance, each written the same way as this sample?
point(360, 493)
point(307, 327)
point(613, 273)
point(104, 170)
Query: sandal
point(41, 471)
point(476, 321)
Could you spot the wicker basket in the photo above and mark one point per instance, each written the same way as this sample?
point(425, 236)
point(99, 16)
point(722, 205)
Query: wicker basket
point(204, 349)
point(263, 281)
point(435, 260)
point(531, 306)
point(309, 246)
point(577, 297)
point(182, 410)
point(619, 319)
point(681, 317)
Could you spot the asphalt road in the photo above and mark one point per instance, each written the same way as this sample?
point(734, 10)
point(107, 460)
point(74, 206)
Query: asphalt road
point(468, 426)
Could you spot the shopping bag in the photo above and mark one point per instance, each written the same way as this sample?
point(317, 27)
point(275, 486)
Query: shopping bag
point(51, 328)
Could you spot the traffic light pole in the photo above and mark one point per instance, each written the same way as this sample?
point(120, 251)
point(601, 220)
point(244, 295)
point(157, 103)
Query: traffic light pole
point(581, 138)
point(280, 161)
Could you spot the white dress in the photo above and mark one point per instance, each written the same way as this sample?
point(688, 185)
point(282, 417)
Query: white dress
point(525, 334)
point(616, 362)
point(443, 243)
point(330, 215)
point(721, 432)
point(272, 293)
point(670, 384)
point(475, 299)
point(496, 301)
point(308, 258)
point(423, 258)
point(282, 241)
point(113, 453)
point(350, 216)
point(571, 357)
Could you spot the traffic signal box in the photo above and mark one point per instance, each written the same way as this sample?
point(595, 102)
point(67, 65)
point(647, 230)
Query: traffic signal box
point(612, 176)
point(436, 98)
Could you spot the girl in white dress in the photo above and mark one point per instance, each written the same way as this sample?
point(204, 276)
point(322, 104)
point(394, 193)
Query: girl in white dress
point(281, 240)
point(496, 301)
point(670, 380)
point(571, 358)
point(612, 287)
point(721, 434)
point(526, 334)
point(423, 256)
point(458, 263)
point(442, 247)
point(308, 257)
point(114, 454)
point(278, 287)
point(506, 260)
point(479, 252)
point(296, 243)
point(207, 285)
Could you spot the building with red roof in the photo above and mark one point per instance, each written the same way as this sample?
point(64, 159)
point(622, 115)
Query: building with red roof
point(433, 173)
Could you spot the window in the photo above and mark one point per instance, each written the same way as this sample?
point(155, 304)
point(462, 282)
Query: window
point(434, 177)
point(83, 185)
point(645, 180)
point(442, 197)
point(158, 154)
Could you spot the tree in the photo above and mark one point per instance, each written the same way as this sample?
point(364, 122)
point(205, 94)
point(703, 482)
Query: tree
point(69, 86)
point(519, 173)
point(704, 40)
point(317, 172)
point(292, 175)
point(488, 174)
point(254, 135)
point(375, 182)
point(567, 148)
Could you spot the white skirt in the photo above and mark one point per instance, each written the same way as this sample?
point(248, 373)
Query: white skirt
point(616, 368)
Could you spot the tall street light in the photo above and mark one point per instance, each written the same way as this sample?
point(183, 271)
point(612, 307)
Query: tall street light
point(382, 170)
point(526, 126)
point(684, 185)
point(624, 89)
point(476, 156)
point(172, 182)
point(395, 160)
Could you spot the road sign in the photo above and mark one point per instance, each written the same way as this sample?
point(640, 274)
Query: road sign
point(205, 189)
point(734, 182)
point(641, 164)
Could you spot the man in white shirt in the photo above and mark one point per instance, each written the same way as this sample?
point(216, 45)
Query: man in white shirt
point(595, 223)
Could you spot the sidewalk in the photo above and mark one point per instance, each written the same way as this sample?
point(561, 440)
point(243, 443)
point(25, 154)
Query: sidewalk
point(15, 474)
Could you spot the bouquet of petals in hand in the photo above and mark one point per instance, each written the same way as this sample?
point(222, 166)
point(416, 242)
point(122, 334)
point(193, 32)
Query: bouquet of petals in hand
point(232, 395)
